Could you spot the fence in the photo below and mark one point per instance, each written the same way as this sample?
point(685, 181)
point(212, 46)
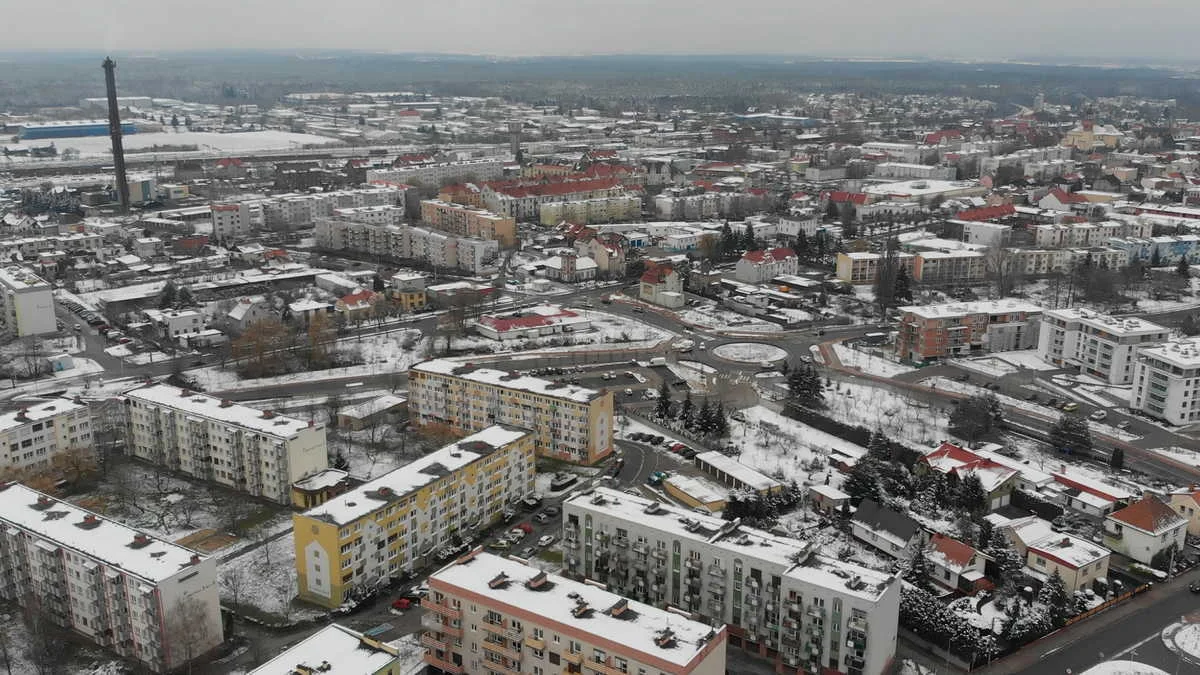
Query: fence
point(1108, 603)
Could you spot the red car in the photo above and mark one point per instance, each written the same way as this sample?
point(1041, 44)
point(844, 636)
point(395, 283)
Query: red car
point(525, 527)
point(678, 448)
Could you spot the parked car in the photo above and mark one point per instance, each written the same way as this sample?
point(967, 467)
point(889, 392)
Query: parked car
point(546, 540)
point(1124, 424)
point(525, 528)
point(554, 511)
point(526, 552)
point(542, 518)
point(1070, 406)
point(1098, 415)
point(1194, 587)
point(500, 545)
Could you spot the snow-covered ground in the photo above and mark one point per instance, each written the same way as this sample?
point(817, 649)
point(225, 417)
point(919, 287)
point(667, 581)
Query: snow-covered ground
point(85, 661)
point(785, 448)
point(1024, 359)
point(749, 352)
point(265, 578)
point(795, 315)
point(870, 363)
point(1191, 457)
point(96, 146)
point(877, 407)
point(714, 318)
point(989, 366)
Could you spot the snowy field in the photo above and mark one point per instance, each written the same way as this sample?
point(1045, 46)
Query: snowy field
point(784, 448)
point(872, 364)
point(713, 318)
point(246, 141)
point(749, 352)
point(897, 416)
point(1183, 455)
point(1026, 358)
point(988, 366)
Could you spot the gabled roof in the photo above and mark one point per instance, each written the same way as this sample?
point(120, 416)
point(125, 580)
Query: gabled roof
point(769, 255)
point(1067, 197)
point(951, 459)
point(839, 196)
point(950, 553)
point(987, 213)
point(1149, 515)
point(358, 298)
point(875, 517)
point(657, 274)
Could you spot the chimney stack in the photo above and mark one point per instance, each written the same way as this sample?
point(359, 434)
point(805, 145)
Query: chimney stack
point(114, 132)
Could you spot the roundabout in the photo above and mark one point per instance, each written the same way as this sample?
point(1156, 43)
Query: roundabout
point(750, 352)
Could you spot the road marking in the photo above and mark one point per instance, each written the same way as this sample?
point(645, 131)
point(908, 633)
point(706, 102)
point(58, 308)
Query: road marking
point(1139, 644)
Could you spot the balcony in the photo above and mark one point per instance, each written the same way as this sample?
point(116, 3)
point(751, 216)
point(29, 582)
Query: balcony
point(640, 547)
point(857, 624)
point(575, 658)
point(660, 553)
point(601, 667)
point(694, 564)
point(815, 612)
point(622, 542)
point(714, 571)
point(443, 665)
point(571, 543)
point(535, 643)
point(506, 632)
point(502, 649)
point(448, 612)
point(500, 668)
point(428, 640)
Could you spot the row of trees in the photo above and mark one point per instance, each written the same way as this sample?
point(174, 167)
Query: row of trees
point(706, 419)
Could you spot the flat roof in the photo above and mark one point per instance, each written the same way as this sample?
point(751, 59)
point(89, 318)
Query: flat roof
point(1116, 325)
point(21, 278)
point(343, 650)
point(109, 541)
point(739, 540)
point(194, 403)
point(1184, 353)
point(952, 309)
point(502, 378)
point(37, 412)
point(367, 498)
point(557, 599)
point(704, 491)
point(738, 471)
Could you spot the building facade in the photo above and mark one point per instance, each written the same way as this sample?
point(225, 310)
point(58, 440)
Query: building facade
point(1099, 345)
point(400, 521)
point(569, 422)
point(31, 437)
point(757, 267)
point(469, 221)
point(255, 451)
point(662, 285)
point(231, 221)
point(1144, 529)
point(932, 332)
point(778, 597)
point(144, 598)
point(399, 242)
point(27, 303)
point(488, 614)
point(1166, 381)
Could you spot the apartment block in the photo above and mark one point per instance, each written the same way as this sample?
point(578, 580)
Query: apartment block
point(860, 268)
point(488, 614)
point(432, 174)
point(1166, 381)
point(1097, 344)
point(26, 303)
point(932, 332)
point(231, 221)
point(598, 210)
point(336, 650)
point(949, 267)
point(31, 437)
point(569, 422)
point(400, 521)
point(141, 597)
point(757, 267)
point(469, 221)
point(778, 596)
point(255, 451)
point(405, 242)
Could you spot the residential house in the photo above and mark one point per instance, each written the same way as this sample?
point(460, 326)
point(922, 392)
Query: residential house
point(891, 532)
point(248, 311)
point(956, 566)
point(662, 285)
point(1186, 503)
point(756, 267)
point(998, 481)
point(1087, 495)
point(1144, 529)
point(827, 499)
point(570, 268)
point(408, 291)
point(356, 306)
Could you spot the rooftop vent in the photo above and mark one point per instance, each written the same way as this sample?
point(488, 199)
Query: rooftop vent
point(185, 392)
point(43, 503)
point(581, 609)
point(499, 581)
point(665, 638)
point(268, 414)
point(90, 522)
point(619, 608)
point(140, 541)
point(538, 581)
point(226, 403)
point(652, 507)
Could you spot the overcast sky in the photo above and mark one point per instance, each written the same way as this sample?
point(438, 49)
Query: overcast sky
point(1109, 29)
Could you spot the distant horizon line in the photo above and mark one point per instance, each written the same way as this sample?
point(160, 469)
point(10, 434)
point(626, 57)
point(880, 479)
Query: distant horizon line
point(1060, 60)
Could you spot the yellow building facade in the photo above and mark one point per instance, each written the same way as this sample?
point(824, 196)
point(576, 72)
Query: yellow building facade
point(401, 520)
point(568, 422)
point(469, 221)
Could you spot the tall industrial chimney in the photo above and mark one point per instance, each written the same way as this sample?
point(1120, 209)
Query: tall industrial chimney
point(514, 136)
point(114, 131)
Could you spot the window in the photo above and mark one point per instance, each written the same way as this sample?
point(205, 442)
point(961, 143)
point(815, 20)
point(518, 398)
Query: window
point(1041, 562)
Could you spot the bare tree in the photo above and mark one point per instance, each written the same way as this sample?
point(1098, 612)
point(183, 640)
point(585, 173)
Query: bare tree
point(33, 358)
point(45, 649)
point(1001, 269)
point(233, 584)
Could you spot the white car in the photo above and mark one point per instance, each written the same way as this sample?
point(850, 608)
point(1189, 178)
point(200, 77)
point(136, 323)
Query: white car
point(546, 540)
point(1098, 415)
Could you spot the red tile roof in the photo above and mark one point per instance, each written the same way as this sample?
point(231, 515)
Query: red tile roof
point(556, 188)
point(1149, 515)
point(987, 213)
point(358, 298)
point(502, 324)
point(1067, 197)
point(840, 196)
point(774, 254)
point(657, 274)
point(953, 551)
point(939, 136)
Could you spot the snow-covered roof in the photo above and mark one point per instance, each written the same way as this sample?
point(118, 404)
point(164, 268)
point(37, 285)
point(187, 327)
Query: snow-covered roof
point(37, 412)
point(502, 378)
point(203, 405)
point(950, 553)
point(1069, 550)
point(1026, 471)
point(1149, 514)
point(957, 309)
point(344, 651)
point(320, 480)
point(1119, 326)
point(372, 407)
point(1184, 353)
point(703, 491)
point(366, 498)
point(92, 535)
point(829, 492)
point(741, 473)
point(741, 541)
point(626, 626)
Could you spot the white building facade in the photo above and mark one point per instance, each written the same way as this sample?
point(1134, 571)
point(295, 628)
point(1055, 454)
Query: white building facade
point(1098, 344)
point(26, 303)
point(1166, 382)
point(31, 437)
